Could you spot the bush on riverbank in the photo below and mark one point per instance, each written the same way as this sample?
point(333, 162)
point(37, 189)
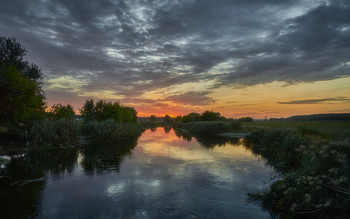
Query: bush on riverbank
point(317, 180)
point(53, 133)
point(109, 130)
point(209, 128)
point(278, 146)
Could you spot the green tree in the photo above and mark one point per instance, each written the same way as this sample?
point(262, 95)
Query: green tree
point(88, 110)
point(60, 111)
point(191, 117)
point(168, 119)
point(152, 118)
point(103, 110)
point(20, 100)
point(246, 119)
point(12, 54)
point(210, 116)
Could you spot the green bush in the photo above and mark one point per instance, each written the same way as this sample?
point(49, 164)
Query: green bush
point(278, 146)
point(235, 125)
point(315, 178)
point(53, 133)
point(61, 111)
point(109, 131)
point(209, 128)
point(103, 110)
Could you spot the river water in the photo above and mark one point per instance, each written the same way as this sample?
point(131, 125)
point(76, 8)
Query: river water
point(160, 175)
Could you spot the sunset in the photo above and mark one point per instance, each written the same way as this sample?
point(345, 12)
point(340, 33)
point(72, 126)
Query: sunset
point(255, 58)
point(175, 109)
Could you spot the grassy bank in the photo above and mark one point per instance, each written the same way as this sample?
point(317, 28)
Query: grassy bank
point(109, 130)
point(52, 132)
point(337, 128)
point(314, 172)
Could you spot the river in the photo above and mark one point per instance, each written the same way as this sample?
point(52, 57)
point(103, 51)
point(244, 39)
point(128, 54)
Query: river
point(160, 175)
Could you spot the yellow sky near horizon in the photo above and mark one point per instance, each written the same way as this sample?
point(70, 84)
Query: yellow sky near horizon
point(275, 99)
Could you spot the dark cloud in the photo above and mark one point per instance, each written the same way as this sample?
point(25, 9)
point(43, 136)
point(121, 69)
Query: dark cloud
point(191, 98)
point(132, 47)
point(317, 101)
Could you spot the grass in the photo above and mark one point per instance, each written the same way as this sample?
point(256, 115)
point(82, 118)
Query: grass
point(331, 128)
point(314, 177)
point(53, 133)
point(111, 131)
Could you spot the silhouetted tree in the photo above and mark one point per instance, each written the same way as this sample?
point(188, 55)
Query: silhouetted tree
point(12, 54)
point(152, 118)
point(210, 116)
point(246, 119)
point(104, 110)
point(168, 119)
point(21, 97)
point(20, 102)
point(60, 111)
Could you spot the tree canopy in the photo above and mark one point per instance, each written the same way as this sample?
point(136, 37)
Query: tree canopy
point(103, 110)
point(21, 97)
point(12, 54)
point(61, 111)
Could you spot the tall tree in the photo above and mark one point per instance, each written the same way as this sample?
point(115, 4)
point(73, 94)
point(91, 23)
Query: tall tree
point(21, 96)
point(12, 54)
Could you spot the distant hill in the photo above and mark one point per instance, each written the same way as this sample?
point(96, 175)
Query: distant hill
point(318, 117)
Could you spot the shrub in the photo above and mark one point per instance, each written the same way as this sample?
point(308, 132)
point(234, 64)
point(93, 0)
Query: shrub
point(210, 116)
point(315, 175)
point(152, 118)
point(319, 185)
point(209, 128)
point(109, 131)
point(61, 111)
point(246, 119)
point(278, 146)
point(168, 119)
point(53, 133)
point(235, 125)
point(103, 110)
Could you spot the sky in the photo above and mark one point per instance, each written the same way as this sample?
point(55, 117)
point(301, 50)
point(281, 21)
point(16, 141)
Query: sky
point(259, 58)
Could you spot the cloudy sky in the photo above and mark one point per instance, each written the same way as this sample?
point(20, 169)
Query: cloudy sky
point(261, 58)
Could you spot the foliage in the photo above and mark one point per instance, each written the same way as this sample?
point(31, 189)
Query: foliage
point(210, 116)
point(235, 125)
point(52, 132)
point(60, 111)
point(12, 54)
point(192, 117)
point(20, 101)
point(168, 119)
point(109, 130)
point(103, 110)
point(316, 180)
point(278, 146)
point(246, 119)
point(152, 118)
point(209, 128)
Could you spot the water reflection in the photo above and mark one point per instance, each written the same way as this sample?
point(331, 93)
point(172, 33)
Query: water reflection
point(99, 158)
point(168, 174)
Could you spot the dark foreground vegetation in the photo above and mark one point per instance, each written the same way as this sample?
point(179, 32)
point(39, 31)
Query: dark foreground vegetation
point(314, 173)
point(25, 118)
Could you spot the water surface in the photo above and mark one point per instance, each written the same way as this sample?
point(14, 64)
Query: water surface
point(162, 175)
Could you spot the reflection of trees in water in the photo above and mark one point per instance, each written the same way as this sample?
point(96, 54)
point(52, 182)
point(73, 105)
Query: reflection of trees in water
point(23, 179)
point(153, 128)
point(182, 134)
point(167, 129)
point(207, 141)
point(100, 157)
point(213, 141)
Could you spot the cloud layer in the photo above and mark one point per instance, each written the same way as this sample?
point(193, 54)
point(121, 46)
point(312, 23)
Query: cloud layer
point(130, 48)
